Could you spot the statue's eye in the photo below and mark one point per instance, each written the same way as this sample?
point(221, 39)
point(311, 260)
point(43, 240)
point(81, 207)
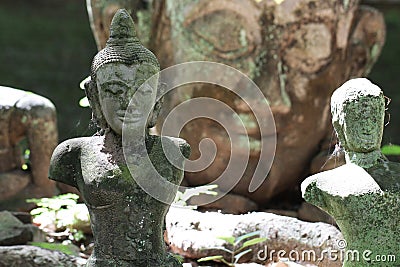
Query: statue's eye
point(223, 33)
point(146, 89)
point(115, 87)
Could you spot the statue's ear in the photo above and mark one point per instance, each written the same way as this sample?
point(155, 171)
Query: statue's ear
point(366, 41)
point(84, 84)
point(155, 113)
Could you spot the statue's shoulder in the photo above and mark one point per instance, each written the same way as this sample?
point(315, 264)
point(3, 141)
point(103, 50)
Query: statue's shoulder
point(75, 145)
point(184, 147)
point(172, 142)
point(348, 179)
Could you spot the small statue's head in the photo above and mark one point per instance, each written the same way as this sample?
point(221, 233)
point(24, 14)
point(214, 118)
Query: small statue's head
point(358, 112)
point(117, 73)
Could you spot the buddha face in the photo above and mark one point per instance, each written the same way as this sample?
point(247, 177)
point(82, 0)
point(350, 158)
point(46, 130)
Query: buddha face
point(363, 124)
point(120, 100)
point(296, 51)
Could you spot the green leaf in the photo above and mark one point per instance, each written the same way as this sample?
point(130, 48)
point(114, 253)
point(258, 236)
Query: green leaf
point(242, 237)
point(66, 249)
point(180, 258)
point(253, 242)
point(211, 258)
point(229, 239)
point(78, 235)
point(38, 211)
point(221, 248)
point(68, 196)
point(238, 256)
point(393, 150)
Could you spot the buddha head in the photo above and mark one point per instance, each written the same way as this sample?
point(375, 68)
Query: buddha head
point(358, 112)
point(296, 51)
point(117, 73)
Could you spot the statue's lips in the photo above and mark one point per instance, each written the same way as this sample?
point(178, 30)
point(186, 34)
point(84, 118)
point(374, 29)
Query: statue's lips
point(129, 117)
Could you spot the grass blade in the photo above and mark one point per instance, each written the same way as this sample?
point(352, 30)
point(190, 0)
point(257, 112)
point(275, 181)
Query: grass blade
point(242, 237)
point(241, 254)
point(211, 258)
point(253, 242)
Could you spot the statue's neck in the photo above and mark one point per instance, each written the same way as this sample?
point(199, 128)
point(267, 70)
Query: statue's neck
point(113, 137)
point(364, 160)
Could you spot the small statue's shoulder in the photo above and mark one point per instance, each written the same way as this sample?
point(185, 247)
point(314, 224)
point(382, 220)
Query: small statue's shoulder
point(65, 161)
point(72, 145)
point(348, 179)
point(181, 143)
point(183, 146)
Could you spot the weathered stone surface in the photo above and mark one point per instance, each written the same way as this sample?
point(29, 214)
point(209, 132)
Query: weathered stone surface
point(28, 135)
point(193, 234)
point(12, 230)
point(12, 183)
point(363, 195)
point(30, 256)
point(127, 222)
point(24, 217)
point(311, 213)
point(230, 203)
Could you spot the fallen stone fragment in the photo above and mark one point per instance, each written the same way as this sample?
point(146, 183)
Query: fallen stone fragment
point(12, 230)
point(31, 256)
point(193, 234)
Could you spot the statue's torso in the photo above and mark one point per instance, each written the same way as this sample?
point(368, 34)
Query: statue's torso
point(126, 221)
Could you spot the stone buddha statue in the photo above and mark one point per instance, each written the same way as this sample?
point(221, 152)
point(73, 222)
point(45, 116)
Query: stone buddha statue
point(28, 135)
point(127, 222)
point(363, 195)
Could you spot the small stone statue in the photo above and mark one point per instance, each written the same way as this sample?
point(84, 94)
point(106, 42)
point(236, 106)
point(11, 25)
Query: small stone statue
point(28, 135)
point(364, 194)
point(127, 223)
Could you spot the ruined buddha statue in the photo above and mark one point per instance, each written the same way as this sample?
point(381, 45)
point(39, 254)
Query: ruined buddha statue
point(127, 222)
point(296, 51)
point(28, 135)
point(363, 195)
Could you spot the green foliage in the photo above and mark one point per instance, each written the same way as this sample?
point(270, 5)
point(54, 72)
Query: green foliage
point(55, 203)
point(237, 251)
point(64, 212)
point(391, 150)
point(68, 249)
point(178, 257)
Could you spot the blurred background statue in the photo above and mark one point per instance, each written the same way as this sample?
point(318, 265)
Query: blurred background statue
point(28, 136)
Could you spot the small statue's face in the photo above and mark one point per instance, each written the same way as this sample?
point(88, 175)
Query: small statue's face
point(120, 100)
point(363, 124)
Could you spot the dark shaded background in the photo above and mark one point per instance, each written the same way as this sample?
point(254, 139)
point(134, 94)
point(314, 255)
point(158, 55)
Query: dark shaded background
point(46, 46)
